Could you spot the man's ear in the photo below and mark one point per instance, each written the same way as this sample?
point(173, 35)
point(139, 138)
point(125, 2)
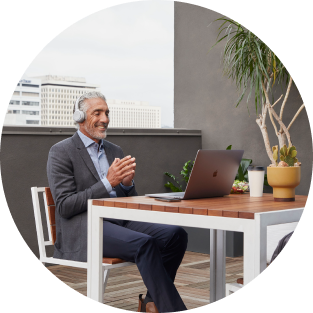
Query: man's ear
point(81, 125)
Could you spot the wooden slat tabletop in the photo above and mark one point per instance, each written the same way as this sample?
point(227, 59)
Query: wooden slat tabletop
point(234, 205)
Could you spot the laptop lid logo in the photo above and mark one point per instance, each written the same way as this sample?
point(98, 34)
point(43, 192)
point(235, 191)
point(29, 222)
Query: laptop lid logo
point(215, 174)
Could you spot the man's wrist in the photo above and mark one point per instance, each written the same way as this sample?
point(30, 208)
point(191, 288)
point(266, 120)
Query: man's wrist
point(127, 187)
point(107, 184)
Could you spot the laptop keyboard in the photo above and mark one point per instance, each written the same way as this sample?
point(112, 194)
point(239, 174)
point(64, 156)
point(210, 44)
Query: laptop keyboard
point(175, 194)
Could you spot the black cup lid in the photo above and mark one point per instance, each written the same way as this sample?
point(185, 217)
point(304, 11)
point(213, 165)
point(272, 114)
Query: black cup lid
point(256, 168)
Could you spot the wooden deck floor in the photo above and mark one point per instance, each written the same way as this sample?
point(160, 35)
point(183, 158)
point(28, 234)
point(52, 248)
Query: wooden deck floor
point(125, 284)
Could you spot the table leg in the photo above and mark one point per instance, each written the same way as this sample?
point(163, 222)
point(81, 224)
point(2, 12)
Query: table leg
point(217, 264)
point(94, 257)
point(261, 235)
point(255, 243)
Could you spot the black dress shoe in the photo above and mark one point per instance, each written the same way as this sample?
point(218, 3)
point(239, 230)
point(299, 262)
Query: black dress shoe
point(150, 307)
point(146, 307)
point(142, 305)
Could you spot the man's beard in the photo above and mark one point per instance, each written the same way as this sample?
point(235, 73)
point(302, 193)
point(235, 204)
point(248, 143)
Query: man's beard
point(97, 134)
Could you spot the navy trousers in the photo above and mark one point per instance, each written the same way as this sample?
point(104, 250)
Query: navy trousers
point(157, 250)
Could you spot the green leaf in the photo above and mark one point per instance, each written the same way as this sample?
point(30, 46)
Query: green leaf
point(248, 61)
point(187, 170)
point(275, 155)
point(240, 174)
point(293, 153)
point(283, 150)
point(289, 160)
point(170, 175)
point(245, 164)
point(229, 147)
point(186, 165)
point(172, 187)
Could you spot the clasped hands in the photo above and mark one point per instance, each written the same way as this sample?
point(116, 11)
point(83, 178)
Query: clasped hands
point(122, 171)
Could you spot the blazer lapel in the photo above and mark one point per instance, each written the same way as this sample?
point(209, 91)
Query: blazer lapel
point(85, 155)
point(108, 153)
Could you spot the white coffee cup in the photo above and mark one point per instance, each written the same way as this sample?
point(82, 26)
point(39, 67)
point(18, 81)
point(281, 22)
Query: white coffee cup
point(256, 180)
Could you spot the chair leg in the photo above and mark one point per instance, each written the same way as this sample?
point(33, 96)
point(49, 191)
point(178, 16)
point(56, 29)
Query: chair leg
point(231, 288)
point(105, 279)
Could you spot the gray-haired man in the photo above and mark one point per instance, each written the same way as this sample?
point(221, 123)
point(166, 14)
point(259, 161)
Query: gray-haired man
point(86, 166)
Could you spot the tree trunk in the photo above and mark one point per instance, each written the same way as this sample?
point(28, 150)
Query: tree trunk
point(281, 139)
point(263, 129)
point(284, 129)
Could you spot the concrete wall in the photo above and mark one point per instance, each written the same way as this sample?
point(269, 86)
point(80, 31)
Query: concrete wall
point(205, 99)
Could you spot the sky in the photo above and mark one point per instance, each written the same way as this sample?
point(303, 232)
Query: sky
point(127, 49)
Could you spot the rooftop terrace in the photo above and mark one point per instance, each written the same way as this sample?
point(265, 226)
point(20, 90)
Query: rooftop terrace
point(125, 284)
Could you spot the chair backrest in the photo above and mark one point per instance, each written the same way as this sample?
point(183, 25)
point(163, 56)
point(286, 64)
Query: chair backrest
point(49, 203)
point(50, 218)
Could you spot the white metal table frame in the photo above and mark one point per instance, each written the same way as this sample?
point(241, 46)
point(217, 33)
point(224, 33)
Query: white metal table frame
point(255, 241)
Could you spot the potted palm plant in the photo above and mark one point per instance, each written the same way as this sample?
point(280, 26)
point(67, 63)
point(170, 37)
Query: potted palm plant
point(256, 70)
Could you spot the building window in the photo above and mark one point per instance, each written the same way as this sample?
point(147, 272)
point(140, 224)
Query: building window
point(32, 122)
point(30, 94)
point(16, 93)
point(13, 111)
point(29, 85)
point(14, 102)
point(30, 103)
point(30, 112)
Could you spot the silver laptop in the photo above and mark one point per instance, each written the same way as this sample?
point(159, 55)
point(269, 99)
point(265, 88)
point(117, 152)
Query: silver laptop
point(212, 175)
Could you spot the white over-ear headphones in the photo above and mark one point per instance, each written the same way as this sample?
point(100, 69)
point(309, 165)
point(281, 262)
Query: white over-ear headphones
point(78, 116)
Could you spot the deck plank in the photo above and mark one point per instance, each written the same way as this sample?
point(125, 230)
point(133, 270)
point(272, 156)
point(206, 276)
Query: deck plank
point(125, 284)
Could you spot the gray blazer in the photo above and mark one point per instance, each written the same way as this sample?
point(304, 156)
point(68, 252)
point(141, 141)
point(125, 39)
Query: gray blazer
point(73, 180)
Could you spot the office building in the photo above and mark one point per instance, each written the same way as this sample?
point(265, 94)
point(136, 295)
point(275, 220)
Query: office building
point(24, 107)
point(134, 114)
point(58, 96)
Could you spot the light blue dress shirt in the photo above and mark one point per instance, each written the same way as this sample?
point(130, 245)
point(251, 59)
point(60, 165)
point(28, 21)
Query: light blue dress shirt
point(100, 161)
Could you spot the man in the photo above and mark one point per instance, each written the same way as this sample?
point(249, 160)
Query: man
point(86, 166)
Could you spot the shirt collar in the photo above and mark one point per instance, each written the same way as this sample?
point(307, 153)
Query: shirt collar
point(88, 141)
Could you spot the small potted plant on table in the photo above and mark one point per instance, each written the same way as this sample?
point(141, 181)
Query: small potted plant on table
point(284, 176)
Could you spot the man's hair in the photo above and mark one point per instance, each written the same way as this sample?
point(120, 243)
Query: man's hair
point(82, 104)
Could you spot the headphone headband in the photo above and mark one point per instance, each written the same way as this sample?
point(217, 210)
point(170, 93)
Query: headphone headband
point(76, 103)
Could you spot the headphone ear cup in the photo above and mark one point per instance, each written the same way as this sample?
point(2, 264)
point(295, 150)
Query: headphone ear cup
point(79, 116)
